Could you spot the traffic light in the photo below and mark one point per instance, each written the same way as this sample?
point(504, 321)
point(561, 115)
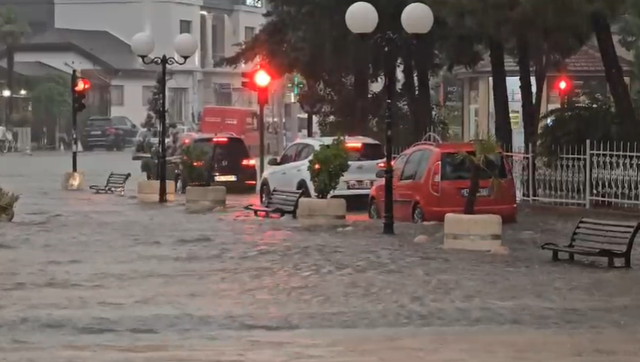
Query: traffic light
point(258, 80)
point(563, 84)
point(296, 85)
point(80, 87)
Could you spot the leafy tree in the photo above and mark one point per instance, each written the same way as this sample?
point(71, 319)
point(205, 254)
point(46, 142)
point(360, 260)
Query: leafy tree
point(51, 100)
point(8, 201)
point(12, 32)
point(327, 166)
point(630, 40)
point(154, 104)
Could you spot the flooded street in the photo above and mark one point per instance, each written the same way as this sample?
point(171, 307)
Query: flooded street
point(103, 278)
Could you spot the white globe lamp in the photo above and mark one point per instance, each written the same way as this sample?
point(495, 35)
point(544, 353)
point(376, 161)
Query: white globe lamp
point(185, 45)
point(142, 44)
point(361, 18)
point(417, 18)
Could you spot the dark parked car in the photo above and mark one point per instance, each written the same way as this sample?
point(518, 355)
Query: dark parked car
point(231, 165)
point(111, 133)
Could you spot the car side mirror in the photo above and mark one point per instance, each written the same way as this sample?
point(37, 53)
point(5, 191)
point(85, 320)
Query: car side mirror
point(380, 174)
point(273, 162)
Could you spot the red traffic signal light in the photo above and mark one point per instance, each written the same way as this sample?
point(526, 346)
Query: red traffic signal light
point(261, 78)
point(563, 84)
point(82, 85)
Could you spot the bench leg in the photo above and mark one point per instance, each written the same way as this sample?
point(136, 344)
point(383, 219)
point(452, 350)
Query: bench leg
point(554, 256)
point(611, 263)
point(572, 257)
point(627, 261)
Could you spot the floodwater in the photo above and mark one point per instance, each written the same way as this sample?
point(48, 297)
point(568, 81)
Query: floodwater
point(102, 278)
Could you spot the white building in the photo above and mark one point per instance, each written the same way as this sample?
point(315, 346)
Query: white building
point(94, 36)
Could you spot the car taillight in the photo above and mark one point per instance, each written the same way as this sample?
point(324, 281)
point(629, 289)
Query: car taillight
point(186, 141)
point(316, 167)
point(353, 145)
point(198, 163)
point(220, 140)
point(249, 162)
point(111, 131)
point(382, 165)
point(434, 186)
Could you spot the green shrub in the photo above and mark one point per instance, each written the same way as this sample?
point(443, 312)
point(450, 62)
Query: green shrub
point(327, 166)
point(194, 154)
point(7, 200)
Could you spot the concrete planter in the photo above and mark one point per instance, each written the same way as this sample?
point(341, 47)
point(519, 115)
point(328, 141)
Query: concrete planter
point(204, 199)
point(73, 181)
point(472, 232)
point(313, 212)
point(148, 191)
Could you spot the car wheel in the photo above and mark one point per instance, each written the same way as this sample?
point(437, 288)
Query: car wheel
point(373, 211)
point(417, 215)
point(302, 186)
point(265, 192)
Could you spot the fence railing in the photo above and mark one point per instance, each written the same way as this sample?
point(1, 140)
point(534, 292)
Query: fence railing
point(595, 174)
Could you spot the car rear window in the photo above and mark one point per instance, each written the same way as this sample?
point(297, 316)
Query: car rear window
point(227, 148)
point(365, 151)
point(99, 122)
point(455, 168)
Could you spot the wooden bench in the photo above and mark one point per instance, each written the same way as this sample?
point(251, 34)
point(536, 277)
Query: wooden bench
point(280, 202)
point(115, 183)
point(599, 238)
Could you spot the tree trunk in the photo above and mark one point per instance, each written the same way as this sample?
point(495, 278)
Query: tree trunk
point(526, 92)
point(541, 66)
point(10, 66)
point(360, 124)
point(474, 187)
point(424, 64)
point(503, 130)
point(409, 91)
point(612, 69)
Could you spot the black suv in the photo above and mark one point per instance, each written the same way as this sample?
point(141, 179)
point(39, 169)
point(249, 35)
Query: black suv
point(227, 160)
point(112, 133)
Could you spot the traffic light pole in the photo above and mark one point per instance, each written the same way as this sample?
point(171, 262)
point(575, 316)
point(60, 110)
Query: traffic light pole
point(74, 124)
point(261, 103)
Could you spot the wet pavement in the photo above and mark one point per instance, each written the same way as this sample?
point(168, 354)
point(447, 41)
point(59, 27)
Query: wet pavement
point(101, 277)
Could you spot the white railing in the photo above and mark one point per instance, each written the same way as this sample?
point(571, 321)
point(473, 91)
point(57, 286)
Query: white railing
point(601, 174)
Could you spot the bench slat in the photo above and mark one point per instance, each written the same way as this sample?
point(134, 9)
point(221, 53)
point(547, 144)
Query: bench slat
point(608, 234)
point(615, 229)
point(630, 224)
point(600, 239)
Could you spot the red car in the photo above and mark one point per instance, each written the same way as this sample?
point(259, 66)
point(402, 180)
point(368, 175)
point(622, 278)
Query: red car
point(430, 181)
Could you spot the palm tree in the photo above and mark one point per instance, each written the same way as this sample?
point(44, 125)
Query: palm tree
point(486, 150)
point(12, 32)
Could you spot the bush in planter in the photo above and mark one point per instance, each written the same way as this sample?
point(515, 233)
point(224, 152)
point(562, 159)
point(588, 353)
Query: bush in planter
point(8, 201)
point(327, 166)
point(193, 157)
point(485, 159)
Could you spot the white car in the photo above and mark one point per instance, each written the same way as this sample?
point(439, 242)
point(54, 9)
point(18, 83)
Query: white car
point(289, 171)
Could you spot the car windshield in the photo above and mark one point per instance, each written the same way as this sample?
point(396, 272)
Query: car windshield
point(99, 122)
point(226, 148)
point(365, 151)
point(456, 168)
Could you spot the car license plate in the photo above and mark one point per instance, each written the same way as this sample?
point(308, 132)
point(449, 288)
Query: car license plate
point(359, 185)
point(96, 132)
point(226, 178)
point(481, 192)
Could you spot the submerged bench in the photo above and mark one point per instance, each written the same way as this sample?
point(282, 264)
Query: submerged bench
point(599, 238)
point(115, 183)
point(280, 202)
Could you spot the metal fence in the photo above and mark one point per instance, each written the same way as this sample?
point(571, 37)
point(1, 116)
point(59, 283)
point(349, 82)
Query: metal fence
point(605, 174)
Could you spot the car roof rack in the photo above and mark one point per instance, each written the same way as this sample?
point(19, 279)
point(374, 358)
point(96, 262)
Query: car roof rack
point(430, 139)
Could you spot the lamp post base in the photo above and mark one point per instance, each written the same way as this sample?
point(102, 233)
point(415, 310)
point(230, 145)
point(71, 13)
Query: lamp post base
point(73, 181)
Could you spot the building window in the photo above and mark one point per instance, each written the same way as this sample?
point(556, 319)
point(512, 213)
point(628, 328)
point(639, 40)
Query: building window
point(249, 32)
point(147, 93)
point(214, 42)
point(185, 26)
point(177, 100)
point(223, 93)
point(117, 95)
point(253, 3)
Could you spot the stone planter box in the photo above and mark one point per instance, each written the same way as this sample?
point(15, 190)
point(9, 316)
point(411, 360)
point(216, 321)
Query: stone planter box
point(204, 199)
point(472, 232)
point(312, 212)
point(148, 191)
point(73, 181)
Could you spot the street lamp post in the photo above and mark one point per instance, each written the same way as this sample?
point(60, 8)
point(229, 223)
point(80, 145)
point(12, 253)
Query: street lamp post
point(362, 18)
point(6, 94)
point(185, 46)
